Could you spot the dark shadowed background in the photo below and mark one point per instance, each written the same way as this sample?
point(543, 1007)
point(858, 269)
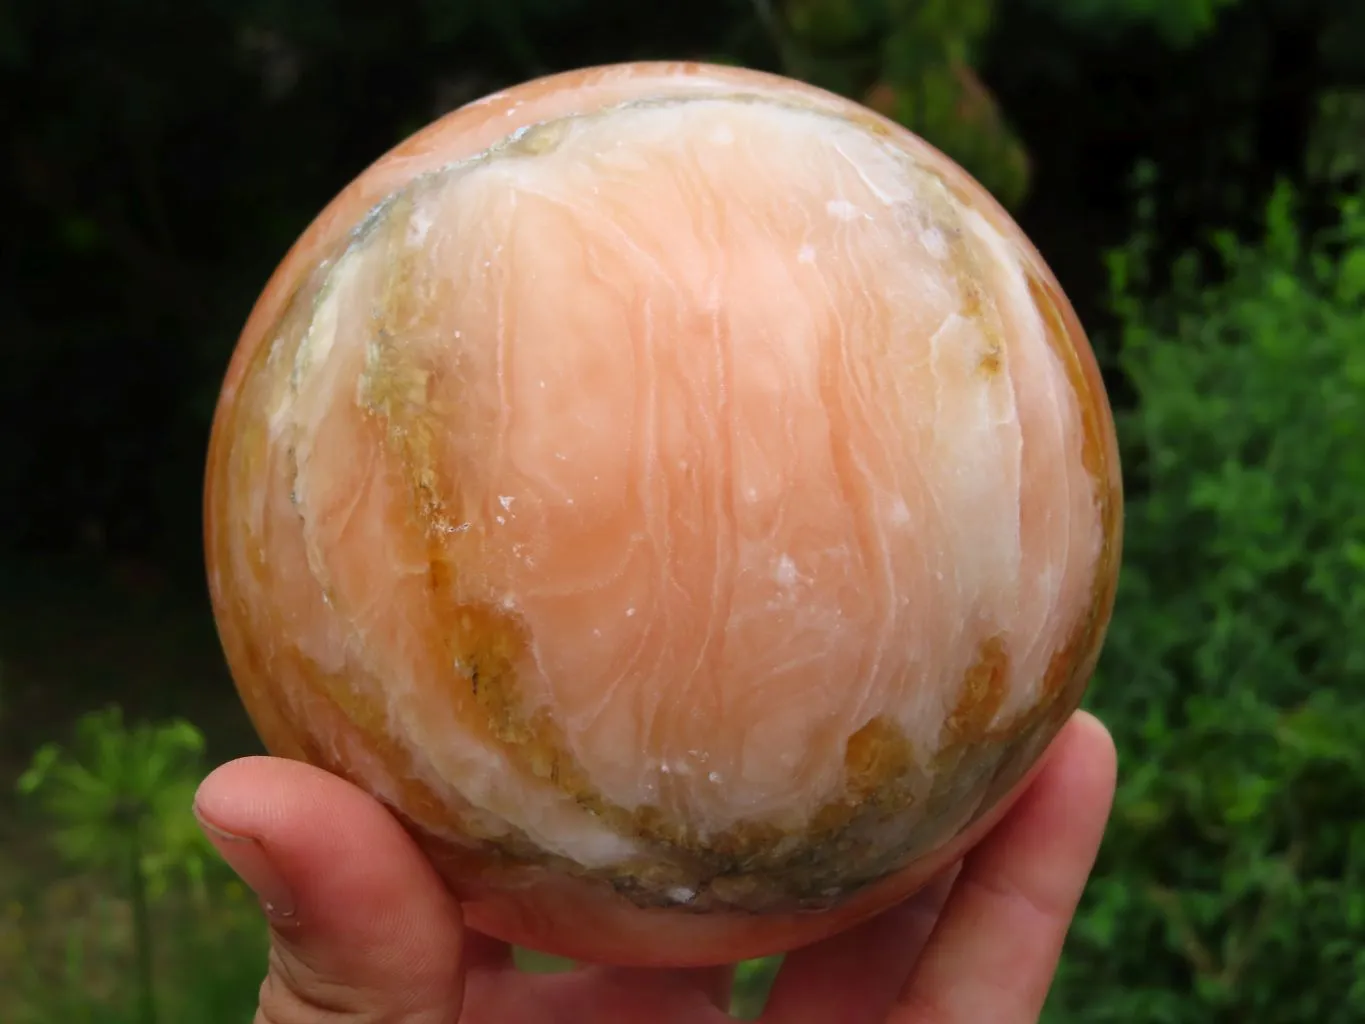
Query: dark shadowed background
point(1192, 169)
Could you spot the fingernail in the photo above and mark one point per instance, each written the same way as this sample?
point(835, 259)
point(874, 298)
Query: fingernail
point(248, 858)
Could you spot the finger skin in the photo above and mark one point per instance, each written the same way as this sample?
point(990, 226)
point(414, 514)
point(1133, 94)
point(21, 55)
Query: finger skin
point(362, 927)
point(854, 977)
point(995, 950)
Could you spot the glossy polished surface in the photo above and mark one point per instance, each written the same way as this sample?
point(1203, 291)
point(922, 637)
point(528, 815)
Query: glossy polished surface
point(681, 494)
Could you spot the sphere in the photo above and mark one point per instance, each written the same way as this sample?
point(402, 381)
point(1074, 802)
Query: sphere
point(681, 495)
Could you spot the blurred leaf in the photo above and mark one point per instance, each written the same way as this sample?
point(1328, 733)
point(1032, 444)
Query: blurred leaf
point(834, 24)
point(1336, 145)
point(1182, 22)
point(117, 785)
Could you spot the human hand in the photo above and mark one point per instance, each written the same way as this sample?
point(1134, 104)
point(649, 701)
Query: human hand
point(363, 929)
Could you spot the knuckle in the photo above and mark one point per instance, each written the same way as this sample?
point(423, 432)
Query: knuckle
point(293, 994)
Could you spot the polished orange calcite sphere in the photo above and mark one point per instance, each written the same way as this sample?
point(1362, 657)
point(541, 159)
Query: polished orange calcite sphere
point(681, 494)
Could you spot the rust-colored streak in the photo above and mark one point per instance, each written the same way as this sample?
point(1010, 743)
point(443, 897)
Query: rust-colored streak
point(982, 694)
point(1064, 343)
point(875, 758)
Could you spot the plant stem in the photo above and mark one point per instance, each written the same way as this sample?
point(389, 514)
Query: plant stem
point(142, 928)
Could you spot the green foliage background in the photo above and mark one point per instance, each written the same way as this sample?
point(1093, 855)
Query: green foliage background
point(1192, 169)
point(1232, 884)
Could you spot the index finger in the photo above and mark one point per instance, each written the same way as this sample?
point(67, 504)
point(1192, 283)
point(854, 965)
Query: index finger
point(995, 949)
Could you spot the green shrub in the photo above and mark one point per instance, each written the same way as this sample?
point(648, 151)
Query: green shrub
point(138, 921)
point(1232, 884)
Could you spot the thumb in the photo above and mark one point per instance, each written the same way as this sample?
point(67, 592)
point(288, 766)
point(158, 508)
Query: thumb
point(362, 929)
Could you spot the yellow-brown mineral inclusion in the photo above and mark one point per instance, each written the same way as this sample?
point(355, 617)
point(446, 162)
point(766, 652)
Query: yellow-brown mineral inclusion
point(682, 495)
